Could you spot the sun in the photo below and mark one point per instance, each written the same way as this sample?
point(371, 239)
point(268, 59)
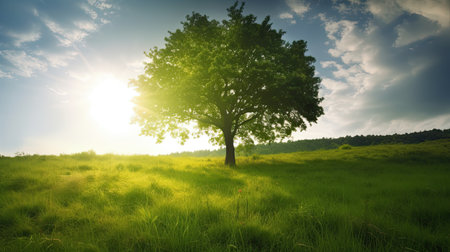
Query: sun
point(110, 104)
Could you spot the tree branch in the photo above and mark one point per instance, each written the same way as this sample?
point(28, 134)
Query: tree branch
point(237, 125)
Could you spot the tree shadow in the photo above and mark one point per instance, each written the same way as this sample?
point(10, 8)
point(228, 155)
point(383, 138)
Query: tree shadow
point(209, 180)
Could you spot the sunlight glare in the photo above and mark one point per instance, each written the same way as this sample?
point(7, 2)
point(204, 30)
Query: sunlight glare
point(111, 105)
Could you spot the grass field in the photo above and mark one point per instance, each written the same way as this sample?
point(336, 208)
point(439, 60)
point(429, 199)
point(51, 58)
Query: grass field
point(377, 198)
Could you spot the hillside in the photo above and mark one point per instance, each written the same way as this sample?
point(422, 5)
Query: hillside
point(328, 143)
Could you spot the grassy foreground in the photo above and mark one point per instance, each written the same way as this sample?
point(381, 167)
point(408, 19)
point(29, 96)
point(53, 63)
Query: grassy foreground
point(381, 198)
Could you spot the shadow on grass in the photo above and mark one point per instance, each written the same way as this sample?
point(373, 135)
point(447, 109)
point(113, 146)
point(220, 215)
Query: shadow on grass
point(403, 163)
point(211, 181)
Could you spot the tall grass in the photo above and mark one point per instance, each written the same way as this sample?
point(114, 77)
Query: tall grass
point(379, 198)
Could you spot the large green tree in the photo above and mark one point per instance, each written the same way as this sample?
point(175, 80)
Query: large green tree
point(234, 80)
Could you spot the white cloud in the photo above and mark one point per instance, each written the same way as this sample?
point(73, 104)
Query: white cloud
point(5, 75)
point(349, 7)
point(343, 8)
point(346, 37)
point(92, 13)
point(103, 5)
point(86, 25)
point(372, 85)
point(329, 63)
point(433, 17)
point(434, 10)
point(68, 32)
point(386, 10)
point(25, 65)
point(334, 85)
point(298, 6)
point(104, 21)
point(355, 2)
point(358, 49)
point(66, 37)
point(100, 4)
point(20, 38)
point(289, 17)
point(81, 28)
point(58, 59)
point(286, 15)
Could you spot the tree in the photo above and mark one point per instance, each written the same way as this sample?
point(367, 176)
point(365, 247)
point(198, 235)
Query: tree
point(236, 80)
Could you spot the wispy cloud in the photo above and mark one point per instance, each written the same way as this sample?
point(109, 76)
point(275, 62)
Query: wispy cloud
point(349, 7)
point(86, 25)
point(49, 38)
point(23, 64)
point(57, 59)
point(66, 37)
point(101, 4)
point(88, 10)
point(5, 75)
point(20, 38)
point(288, 16)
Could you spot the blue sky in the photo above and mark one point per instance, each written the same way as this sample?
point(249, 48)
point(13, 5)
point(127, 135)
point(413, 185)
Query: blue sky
point(384, 66)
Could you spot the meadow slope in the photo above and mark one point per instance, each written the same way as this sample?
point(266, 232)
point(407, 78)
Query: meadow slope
point(378, 198)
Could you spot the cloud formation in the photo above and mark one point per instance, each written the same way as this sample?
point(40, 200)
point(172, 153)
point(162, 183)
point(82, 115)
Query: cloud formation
point(434, 10)
point(38, 35)
point(21, 63)
point(300, 7)
point(388, 72)
point(415, 29)
point(20, 38)
point(288, 16)
point(428, 17)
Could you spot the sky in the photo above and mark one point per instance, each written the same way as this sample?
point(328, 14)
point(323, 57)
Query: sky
point(384, 66)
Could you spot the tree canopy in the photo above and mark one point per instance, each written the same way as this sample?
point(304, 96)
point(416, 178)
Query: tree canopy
point(236, 80)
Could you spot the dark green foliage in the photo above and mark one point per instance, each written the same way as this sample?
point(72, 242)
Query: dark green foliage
point(84, 167)
point(345, 147)
point(7, 220)
point(237, 79)
point(160, 190)
point(134, 198)
point(255, 238)
point(19, 183)
point(48, 222)
point(134, 167)
point(31, 210)
point(120, 167)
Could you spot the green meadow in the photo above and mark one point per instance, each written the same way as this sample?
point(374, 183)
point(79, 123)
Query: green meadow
point(375, 198)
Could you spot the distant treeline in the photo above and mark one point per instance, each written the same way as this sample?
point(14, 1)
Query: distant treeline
point(328, 143)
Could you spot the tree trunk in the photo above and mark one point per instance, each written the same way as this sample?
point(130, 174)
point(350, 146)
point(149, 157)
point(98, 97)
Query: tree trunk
point(230, 159)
